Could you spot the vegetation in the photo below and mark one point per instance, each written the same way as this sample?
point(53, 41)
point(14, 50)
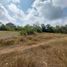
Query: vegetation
point(39, 50)
point(36, 28)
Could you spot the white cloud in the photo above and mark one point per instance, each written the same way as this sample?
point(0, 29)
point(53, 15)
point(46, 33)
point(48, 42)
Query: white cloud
point(18, 13)
point(9, 7)
point(16, 1)
point(5, 15)
point(47, 11)
point(9, 1)
point(60, 3)
point(12, 7)
point(42, 11)
point(4, 2)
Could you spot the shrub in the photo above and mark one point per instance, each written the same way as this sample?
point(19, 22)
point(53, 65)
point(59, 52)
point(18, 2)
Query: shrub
point(27, 30)
point(23, 32)
point(37, 28)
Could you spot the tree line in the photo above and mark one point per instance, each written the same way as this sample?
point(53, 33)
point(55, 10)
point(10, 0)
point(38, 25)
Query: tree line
point(32, 29)
point(9, 27)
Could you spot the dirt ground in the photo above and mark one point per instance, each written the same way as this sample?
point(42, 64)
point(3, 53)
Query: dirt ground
point(40, 50)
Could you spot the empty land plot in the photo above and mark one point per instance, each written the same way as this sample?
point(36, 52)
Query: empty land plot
point(40, 50)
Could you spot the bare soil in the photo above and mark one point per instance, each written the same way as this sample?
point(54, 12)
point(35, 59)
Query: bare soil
point(41, 50)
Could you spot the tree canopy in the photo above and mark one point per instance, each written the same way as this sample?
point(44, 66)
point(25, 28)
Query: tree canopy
point(28, 29)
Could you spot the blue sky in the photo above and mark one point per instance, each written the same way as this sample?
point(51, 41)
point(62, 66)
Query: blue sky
point(25, 4)
point(22, 12)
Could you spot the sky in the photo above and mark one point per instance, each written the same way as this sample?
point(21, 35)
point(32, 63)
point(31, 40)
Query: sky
point(22, 12)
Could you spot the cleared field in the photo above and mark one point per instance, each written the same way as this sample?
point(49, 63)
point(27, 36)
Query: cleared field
point(40, 50)
point(8, 34)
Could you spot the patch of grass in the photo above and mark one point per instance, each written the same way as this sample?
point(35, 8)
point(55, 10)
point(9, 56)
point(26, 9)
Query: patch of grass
point(7, 34)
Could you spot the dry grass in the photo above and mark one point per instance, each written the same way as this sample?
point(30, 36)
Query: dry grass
point(8, 34)
point(26, 40)
point(52, 54)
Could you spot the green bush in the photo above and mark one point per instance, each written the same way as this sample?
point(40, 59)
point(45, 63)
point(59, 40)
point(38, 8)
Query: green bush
point(27, 30)
point(37, 28)
point(23, 32)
